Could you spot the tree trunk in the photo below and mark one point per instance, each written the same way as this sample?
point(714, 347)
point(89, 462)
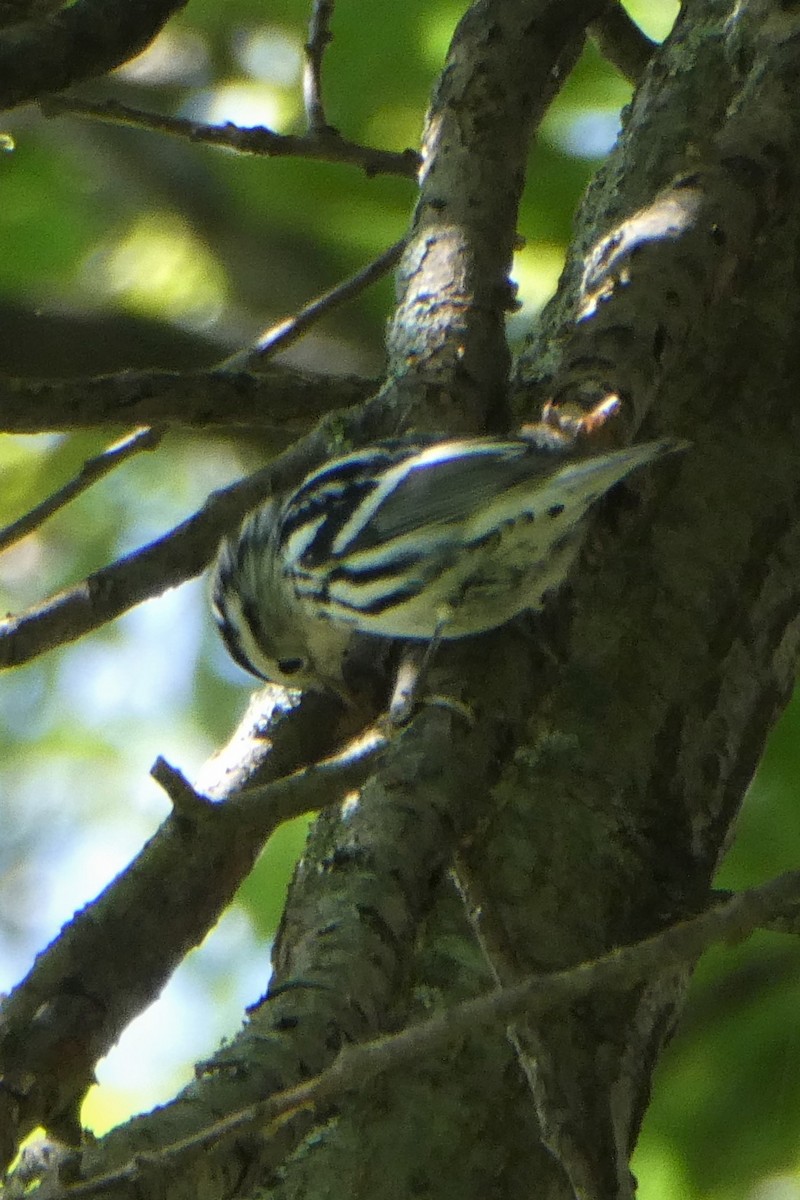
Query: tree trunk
point(588, 805)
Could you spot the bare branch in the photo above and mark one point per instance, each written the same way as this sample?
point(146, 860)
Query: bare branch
point(308, 788)
point(80, 41)
point(319, 37)
point(361, 950)
point(186, 550)
point(622, 42)
point(183, 797)
point(447, 342)
point(279, 401)
point(356, 1066)
point(165, 563)
point(285, 333)
point(325, 146)
point(104, 966)
point(92, 470)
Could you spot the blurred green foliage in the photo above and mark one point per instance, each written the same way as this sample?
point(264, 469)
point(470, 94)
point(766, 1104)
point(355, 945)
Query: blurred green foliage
point(122, 247)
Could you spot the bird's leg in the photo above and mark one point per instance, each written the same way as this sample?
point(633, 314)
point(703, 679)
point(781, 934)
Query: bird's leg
point(415, 662)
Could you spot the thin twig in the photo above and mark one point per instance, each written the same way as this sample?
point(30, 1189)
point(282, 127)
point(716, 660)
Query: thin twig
point(319, 37)
point(623, 43)
point(325, 146)
point(315, 786)
point(357, 1065)
point(92, 470)
point(184, 551)
point(284, 333)
point(185, 800)
point(166, 562)
point(265, 807)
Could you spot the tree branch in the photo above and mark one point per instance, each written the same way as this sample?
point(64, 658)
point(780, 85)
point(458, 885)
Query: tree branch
point(92, 470)
point(281, 401)
point(319, 37)
point(170, 560)
point(325, 145)
point(622, 42)
point(279, 337)
point(447, 345)
point(335, 976)
point(358, 1066)
point(103, 967)
point(650, 771)
point(80, 41)
point(187, 549)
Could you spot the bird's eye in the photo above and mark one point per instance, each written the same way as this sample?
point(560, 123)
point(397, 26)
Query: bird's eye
point(290, 666)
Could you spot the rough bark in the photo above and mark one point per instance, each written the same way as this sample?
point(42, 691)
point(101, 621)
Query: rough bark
point(47, 53)
point(591, 802)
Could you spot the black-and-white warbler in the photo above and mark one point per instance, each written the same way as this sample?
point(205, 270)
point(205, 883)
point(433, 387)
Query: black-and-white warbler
point(405, 539)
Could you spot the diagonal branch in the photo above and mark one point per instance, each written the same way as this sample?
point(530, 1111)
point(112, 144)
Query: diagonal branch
point(279, 337)
point(167, 562)
point(92, 470)
point(103, 967)
point(622, 42)
point(81, 41)
point(186, 550)
point(357, 1066)
point(335, 978)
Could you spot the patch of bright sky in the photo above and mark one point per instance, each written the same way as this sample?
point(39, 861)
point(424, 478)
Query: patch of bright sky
point(271, 54)
point(76, 858)
point(87, 862)
point(25, 711)
point(178, 55)
point(132, 676)
point(656, 17)
point(244, 102)
point(201, 1004)
point(23, 564)
point(536, 271)
point(69, 843)
point(584, 133)
point(154, 491)
point(776, 1187)
point(78, 705)
point(80, 809)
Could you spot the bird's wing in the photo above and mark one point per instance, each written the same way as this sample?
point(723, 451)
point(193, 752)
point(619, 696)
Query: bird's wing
point(442, 485)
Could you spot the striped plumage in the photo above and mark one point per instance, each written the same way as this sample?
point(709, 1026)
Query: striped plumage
point(405, 539)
